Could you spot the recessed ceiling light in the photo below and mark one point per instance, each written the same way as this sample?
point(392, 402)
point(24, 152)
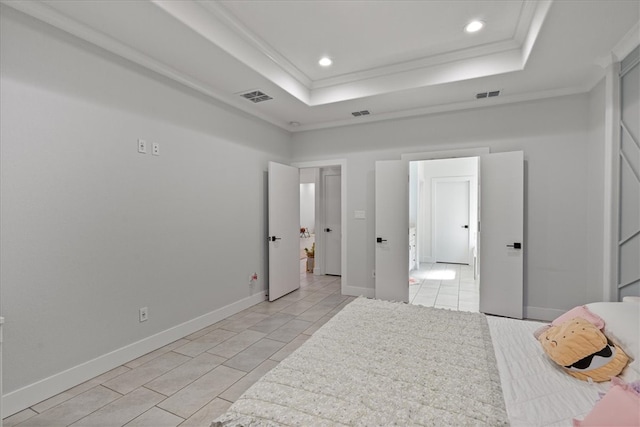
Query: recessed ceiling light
point(474, 26)
point(325, 61)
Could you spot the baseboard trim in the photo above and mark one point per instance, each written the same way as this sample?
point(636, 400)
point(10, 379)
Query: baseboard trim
point(540, 313)
point(356, 291)
point(32, 394)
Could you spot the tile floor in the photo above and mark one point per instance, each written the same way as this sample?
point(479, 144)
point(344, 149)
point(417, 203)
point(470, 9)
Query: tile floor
point(193, 380)
point(445, 286)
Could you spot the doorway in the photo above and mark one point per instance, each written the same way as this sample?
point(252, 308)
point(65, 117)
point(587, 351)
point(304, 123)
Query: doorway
point(443, 212)
point(320, 223)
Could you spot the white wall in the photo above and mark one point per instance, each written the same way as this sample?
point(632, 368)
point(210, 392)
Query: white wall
point(92, 230)
point(595, 195)
point(553, 135)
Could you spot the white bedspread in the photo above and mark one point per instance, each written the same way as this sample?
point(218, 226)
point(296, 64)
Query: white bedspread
point(536, 391)
point(378, 363)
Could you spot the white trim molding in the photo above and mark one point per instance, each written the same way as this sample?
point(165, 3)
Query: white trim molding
point(27, 396)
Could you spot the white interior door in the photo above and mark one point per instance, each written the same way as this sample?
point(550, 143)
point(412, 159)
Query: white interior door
point(452, 221)
point(392, 230)
point(501, 233)
point(332, 229)
point(284, 230)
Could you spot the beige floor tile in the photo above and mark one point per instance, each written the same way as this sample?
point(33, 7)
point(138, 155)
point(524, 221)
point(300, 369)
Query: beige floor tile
point(204, 331)
point(289, 330)
point(19, 417)
point(123, 410)
point(236, 344)
point(294, 296)
point(469, 296)
point(156, 353)
point(314, 297)
point(272, 322)
point(156, 417)
point(245, 322)
point(184, 374)
point(235, 391)
point(448, 290)
point(197, 394)
point(74, 409)
point(247, 360)
point(427, 292)
point(298, 307)
point(133, 379)
point(285, 351)
point(205, 342)
point(314, 313)
point(447, 300)
point(72, 392)
point(316, 325)
point(210, 412)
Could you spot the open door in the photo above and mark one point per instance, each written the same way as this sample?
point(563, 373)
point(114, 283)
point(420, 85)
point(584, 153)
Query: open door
point(392, 230)
point(284, 230)
point(501, 233)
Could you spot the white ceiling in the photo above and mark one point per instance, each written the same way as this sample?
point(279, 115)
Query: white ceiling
point(394, 58)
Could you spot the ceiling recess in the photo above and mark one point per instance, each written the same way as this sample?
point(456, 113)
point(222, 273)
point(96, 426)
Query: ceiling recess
point(360, 113)
point(256, 96)
point(490, 94)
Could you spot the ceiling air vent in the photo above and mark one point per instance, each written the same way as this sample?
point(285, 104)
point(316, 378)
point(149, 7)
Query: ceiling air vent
point(490, 94)
point(256, 96)
point(360, 113)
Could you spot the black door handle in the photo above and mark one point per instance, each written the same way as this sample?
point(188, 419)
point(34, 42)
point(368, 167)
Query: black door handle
point(327, 230)
point(515, 246)
point(380, 240)
point(465, 226)
point(273, 238)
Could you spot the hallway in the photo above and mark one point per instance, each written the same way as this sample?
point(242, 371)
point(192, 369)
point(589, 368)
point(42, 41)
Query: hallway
point(449, 286)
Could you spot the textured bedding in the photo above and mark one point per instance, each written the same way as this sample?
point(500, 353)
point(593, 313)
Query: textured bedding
point(382, 363)
point(536, 391)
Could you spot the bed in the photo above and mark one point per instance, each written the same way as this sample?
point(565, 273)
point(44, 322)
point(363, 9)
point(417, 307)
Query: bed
point(384, 363)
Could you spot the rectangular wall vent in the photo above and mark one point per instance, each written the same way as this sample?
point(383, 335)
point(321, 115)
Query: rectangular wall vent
point(256, 96)
point(360, 113)
point(489, 94)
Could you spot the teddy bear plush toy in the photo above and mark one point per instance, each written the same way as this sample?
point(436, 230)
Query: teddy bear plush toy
point(583, 351)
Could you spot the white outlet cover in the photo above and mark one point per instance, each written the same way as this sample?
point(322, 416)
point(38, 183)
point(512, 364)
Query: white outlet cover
point(156, 149)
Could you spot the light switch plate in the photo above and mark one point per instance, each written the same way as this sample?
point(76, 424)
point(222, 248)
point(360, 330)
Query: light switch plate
point(142, 146)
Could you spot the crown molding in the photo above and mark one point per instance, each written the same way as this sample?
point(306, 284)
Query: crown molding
point(52, 17)
point(219, 26)
point(444, 108)
point(630, 41)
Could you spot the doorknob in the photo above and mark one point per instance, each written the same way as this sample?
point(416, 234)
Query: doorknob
point(273, 238)
point(515, 246)
point(465, 226)
point(380, 240)
point(327, 230)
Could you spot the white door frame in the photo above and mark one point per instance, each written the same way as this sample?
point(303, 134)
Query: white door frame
point(434, 235)
point(343, 208)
